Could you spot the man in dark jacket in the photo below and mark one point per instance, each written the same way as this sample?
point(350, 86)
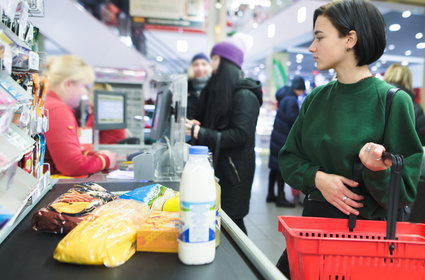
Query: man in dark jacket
point(288, 109)
point(198, 74)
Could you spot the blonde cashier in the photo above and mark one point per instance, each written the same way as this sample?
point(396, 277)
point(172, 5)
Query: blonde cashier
point(70, 78)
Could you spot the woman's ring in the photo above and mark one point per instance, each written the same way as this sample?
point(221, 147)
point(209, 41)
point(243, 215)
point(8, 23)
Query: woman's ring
point(344, 198)
point(368, 148)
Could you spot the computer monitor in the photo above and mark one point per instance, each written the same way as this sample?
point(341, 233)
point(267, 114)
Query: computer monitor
point(162, 113)
point(110, 110)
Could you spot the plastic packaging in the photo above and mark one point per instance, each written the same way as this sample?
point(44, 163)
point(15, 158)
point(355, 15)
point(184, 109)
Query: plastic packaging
point(107, 237)
point(155, 196)
point(70, 208)
point(196, 243)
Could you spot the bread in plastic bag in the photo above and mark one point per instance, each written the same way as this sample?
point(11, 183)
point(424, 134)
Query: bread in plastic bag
point(107, 237)
point(70, 208)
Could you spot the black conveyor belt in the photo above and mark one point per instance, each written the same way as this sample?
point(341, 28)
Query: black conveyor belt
point(27, 254)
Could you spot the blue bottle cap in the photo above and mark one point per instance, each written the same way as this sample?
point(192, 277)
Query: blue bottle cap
point(198, 150)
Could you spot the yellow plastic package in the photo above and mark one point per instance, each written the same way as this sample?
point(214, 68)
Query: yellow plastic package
point(107, 237)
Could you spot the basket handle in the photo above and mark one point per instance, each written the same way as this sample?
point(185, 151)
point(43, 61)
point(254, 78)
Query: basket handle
point(357, 176)
point(394, 191)
point(393, 197)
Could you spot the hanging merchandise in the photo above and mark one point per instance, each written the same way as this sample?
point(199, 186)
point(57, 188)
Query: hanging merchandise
point(196, 243)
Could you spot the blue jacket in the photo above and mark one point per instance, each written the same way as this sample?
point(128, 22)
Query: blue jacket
point(286, 114)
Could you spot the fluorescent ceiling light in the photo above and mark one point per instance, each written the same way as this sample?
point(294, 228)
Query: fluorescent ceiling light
point(406, 14)
point(300, 56)
point(235, 4)
point(419, 35)
point(391, 47)
point(159, 59)
point(405, 63)
point(421, 45)
point(271, 30)
point(182, 46)
point(394, 27)
point(408, 52)
point(302, 14)
point(374, 68)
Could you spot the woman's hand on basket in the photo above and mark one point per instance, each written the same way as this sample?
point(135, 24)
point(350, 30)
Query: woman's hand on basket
point(336, 193)
point(371, 157)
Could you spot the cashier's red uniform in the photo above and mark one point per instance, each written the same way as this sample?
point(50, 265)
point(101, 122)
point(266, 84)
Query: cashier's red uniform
point(64, 152)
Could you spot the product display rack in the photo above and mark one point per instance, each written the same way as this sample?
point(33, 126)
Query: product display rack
point(24, 179)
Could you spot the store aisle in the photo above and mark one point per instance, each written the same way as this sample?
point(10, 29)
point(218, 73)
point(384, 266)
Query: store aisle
point(261, 221)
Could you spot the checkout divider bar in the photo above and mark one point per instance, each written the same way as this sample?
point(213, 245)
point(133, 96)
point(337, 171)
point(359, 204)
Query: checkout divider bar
point(267, 269)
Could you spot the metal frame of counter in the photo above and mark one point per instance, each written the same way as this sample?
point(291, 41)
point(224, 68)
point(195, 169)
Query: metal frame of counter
point(27, 254)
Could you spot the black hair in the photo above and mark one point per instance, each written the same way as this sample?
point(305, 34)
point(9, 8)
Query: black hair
point(216, 98)
point(362, 17)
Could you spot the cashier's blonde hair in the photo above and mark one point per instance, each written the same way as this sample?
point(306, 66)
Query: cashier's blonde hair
point(68, 67)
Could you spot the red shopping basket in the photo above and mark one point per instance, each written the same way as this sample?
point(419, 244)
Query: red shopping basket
point(325, 248)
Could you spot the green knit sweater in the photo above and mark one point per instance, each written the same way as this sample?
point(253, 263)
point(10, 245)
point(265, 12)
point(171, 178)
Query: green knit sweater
point(335, 121)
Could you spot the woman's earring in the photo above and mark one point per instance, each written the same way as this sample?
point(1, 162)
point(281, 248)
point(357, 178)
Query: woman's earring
point(347, 49)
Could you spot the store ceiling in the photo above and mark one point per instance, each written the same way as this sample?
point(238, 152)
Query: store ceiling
point(290, 37)
point(401, 45)
point(400, 41)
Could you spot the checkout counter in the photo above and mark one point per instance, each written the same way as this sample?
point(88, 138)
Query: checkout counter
point(27, 254)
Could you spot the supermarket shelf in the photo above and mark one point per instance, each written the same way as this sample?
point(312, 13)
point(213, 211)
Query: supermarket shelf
point(38, 191)
point(13, 37)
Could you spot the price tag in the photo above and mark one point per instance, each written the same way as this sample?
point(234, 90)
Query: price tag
point(7, 60)
point(33, 122)
point(46, 120)
point(39, 124)
point(33, 61)
point(30, 35)
point(25, 116)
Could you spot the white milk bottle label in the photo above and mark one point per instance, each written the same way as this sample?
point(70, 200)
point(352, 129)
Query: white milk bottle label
point(198, 222)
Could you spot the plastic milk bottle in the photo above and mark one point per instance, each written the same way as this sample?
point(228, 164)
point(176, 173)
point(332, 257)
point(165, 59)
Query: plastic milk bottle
point(196, 243)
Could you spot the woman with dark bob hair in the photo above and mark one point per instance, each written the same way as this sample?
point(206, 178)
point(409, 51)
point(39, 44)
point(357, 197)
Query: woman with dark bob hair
point(344, 122)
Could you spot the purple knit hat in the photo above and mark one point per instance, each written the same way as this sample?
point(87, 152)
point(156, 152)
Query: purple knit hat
point(228, 51)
